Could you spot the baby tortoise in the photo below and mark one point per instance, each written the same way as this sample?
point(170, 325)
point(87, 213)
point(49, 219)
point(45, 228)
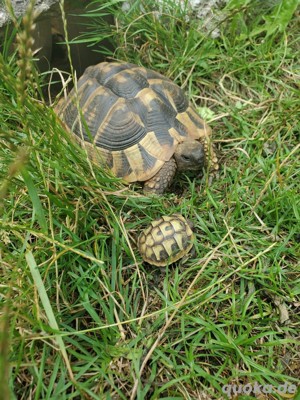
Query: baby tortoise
point(166, 240)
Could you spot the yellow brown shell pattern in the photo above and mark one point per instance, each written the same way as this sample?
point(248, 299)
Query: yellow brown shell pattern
point(133, 118)
point(166, 240)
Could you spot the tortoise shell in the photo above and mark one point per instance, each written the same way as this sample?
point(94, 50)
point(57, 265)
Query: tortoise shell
point(166, 240)
point(133, 118)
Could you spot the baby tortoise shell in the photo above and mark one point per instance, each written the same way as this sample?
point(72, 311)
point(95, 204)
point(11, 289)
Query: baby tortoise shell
point(138, 123)
point(166, 240)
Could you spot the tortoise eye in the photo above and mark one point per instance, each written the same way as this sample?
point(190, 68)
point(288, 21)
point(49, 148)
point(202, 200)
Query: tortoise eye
point(185, 158)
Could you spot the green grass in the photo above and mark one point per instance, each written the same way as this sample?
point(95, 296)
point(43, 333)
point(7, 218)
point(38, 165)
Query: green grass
point(82, 316)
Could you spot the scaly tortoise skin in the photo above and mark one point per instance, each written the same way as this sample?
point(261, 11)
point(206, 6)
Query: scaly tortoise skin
point(138, 123)
point(166, 240)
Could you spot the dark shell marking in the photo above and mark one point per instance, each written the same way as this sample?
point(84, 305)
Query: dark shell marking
point(166, 240)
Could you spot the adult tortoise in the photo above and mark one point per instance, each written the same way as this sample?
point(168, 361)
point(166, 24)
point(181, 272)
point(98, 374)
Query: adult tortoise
point(138, 123)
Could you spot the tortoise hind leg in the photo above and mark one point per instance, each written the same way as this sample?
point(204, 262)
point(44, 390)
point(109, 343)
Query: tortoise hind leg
point(159, 183)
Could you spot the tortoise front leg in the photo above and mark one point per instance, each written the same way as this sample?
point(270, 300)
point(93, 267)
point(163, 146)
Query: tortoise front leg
point(211, 156)
point(159, 183)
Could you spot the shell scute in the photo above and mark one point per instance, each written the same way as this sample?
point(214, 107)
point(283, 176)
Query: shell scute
point(127, 83)
point(170, 94)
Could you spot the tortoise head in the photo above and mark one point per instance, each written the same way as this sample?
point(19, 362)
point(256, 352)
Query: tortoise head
point(190, 156)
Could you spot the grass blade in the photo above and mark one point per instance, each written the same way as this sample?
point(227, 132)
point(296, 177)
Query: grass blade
point(47, 306)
